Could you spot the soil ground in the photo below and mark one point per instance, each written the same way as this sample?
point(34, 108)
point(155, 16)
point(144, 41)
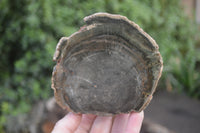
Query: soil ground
point(177, 112)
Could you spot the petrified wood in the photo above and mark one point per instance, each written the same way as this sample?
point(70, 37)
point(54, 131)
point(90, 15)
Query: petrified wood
point(109, 66)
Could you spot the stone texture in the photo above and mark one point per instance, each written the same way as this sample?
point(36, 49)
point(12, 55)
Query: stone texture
point(109, 66)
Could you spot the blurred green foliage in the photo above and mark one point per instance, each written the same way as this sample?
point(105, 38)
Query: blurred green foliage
point(30, 29)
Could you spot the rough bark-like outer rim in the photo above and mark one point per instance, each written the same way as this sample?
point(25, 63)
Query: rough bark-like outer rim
point(119, 17)
point(88, 20)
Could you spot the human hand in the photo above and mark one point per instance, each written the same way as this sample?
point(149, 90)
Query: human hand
point(88, 123)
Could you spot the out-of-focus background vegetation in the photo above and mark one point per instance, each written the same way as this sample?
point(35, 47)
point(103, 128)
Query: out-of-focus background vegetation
point(30, 30)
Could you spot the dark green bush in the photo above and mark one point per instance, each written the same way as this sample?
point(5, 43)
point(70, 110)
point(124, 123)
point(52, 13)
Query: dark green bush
point(29, 31)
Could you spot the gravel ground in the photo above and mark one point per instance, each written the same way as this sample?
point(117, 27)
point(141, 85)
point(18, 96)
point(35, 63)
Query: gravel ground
point(176, 112)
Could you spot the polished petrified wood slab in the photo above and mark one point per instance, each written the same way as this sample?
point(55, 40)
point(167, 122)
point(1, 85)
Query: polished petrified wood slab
point(109, 66)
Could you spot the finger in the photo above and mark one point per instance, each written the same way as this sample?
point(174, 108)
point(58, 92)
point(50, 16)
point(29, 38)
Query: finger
point(120, 123)
point(86, 123)
point(102, 125)
point(134, 122)
point(68, 124)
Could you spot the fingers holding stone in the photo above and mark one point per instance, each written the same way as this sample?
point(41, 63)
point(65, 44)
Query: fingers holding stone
point(68, 124)
point(102, 124)
point(120, 123)
point(86, 123)
point(134, 122)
